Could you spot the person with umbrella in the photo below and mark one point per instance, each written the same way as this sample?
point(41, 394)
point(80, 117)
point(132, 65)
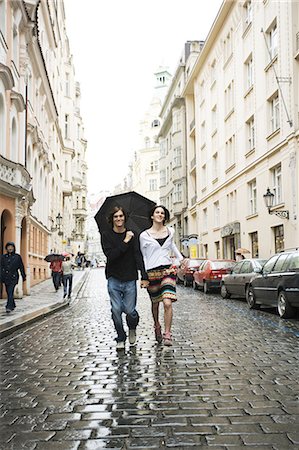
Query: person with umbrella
point(10, 265)
point(124, 259)
point(56, 268)
point(157, 244)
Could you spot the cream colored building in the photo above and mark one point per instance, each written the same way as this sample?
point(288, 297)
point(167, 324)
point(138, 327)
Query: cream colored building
point(173, 152)
point(144, 175)
point(36, 156)
point(242, 114)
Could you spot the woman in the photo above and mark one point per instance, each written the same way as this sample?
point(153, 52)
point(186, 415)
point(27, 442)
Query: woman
point(67, 277)
point(156, 246)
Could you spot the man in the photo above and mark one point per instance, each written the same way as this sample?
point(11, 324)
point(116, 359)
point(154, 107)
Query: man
point(123, 262)
point(11, 264)
point(67, 277)
point(56, 267)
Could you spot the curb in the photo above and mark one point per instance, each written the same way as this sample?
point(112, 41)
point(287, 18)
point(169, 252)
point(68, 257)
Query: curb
point(39, 314)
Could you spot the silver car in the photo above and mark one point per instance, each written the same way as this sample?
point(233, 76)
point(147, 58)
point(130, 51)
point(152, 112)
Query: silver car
point(237, 282)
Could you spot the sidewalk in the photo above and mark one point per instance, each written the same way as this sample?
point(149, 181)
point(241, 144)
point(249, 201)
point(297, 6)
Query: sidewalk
point(43, 300)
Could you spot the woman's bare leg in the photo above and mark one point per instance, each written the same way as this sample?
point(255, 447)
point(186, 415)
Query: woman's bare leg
point(167, 315)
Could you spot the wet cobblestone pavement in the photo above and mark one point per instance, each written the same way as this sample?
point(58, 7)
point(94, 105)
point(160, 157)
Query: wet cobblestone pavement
point(230, 380)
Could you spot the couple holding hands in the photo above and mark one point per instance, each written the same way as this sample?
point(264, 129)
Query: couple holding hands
point(151, 256)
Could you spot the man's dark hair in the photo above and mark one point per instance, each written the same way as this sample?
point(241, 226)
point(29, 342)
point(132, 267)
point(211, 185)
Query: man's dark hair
point(166, 212)
point(113, 211)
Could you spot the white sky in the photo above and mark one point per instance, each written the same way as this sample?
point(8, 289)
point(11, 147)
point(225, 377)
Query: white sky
point(117, 47)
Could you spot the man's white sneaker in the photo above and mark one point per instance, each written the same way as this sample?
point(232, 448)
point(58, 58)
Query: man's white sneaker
point(120, 345)
point(132, 337)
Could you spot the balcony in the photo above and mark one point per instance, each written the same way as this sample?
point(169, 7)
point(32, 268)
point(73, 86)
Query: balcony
point(67, 188)
point(80, 212)
point(14, 178)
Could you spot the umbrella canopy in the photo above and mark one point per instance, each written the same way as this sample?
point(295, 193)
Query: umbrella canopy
point(136, 207)
point(242, 250)
point(67, 254)
point(54, 257)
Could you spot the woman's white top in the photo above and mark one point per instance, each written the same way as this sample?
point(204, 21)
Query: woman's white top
point(67, 267)
point(154, 254)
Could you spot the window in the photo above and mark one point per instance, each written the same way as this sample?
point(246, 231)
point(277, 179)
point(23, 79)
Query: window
point(274, 113)
point(216, 214)
point(215, 166)
point(176, 125)
point(66, 126)
point(162, 177)
point(294, 264)
point(203, 132)
point(273, 40)
point(280, 262)
point(153, 184)
point(177, 159)
point(229, 98)
point(67, 84)
point(205, 219)
point(177, 192)
point(268, 266)
point(248, 12)
point(162, 149)
point(277, 184)
point(214, 118)
point(249, 72)
point(230, 151)
point(231, 200)
point(213, 72)
point(217, 249)
point(252, 197)
point(250, 134)
point(155, 123)
point(204, 176)
point(254, 244)
point(278, 238)
point(228, 45)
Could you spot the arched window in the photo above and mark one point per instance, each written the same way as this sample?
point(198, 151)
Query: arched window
point(14, 140)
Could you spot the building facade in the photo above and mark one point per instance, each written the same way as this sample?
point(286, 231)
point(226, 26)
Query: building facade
point(42, 136)
point(144, 172)
point(173, 151)
point(242, 120)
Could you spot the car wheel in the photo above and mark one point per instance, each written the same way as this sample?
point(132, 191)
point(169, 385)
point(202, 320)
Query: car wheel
point(285, 310)
point(206, 287)
point(224, 292)
point(195, 285)
point(250, 298)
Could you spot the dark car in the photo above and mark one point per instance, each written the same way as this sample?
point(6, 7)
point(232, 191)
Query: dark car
point(277, 285)
point(237, 282)
point(186, 269)
point(210, 273)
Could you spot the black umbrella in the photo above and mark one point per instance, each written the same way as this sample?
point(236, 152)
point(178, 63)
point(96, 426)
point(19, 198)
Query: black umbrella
point(136, 206)
point(54, 257)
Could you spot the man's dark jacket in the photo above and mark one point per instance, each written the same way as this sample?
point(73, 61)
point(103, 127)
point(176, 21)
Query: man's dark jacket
point(123, 260)
point(10, 264)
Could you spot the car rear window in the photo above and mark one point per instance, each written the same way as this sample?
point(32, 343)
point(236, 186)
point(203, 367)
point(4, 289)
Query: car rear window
point(294, 264)
point(222, 264)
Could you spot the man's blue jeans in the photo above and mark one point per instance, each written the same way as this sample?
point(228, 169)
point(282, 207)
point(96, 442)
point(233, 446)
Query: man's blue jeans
point(10, 297)
point(123, 297)
point(67, 280)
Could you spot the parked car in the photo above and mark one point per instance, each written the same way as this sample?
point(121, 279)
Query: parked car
point(210, 273)
point(186, 269)
point(237, 282)
point(277, 284)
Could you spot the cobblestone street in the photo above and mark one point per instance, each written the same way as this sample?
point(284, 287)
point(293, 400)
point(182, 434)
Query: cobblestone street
point(230, 380)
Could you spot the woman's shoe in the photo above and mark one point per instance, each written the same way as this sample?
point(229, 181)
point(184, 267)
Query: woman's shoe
point(167, 339)
point(158, 333)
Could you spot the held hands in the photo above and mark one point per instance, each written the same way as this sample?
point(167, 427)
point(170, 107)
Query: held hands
point(144, 283)
point(129, 236)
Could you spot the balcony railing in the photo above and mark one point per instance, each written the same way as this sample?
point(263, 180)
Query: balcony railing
point(14, 174)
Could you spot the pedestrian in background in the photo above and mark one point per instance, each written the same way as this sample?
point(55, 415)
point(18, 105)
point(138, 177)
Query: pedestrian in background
point(157, 246)
point(11, 264)
point(123, 262)
point(56, 267)
point(67, 277)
